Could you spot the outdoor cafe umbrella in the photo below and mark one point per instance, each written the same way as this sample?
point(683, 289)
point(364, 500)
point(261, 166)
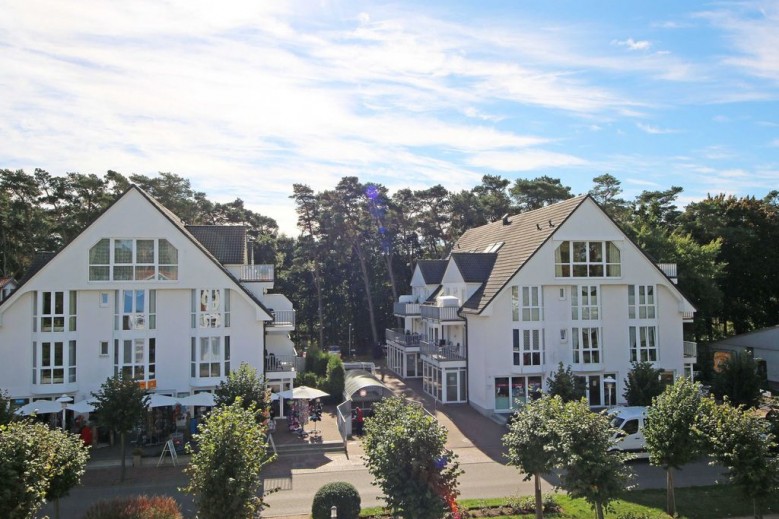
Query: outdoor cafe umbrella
point(156, 400)
point(199, 399)
point(39, 407)
point(83, 407)
point(303, 393)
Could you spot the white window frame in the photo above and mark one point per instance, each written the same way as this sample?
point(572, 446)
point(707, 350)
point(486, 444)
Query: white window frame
point(528, 347)
point(210, 308)
point(136, 267)
point(48, 369)
point(585, 303)
point(211, 353)
point(588, 259)
point(136, 357)
point(136, 316)
point(643, 343)
point(584, 352)
point(642, 302)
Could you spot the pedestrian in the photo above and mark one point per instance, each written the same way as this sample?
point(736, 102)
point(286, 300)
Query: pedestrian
point(86, 435)
point(359, 419)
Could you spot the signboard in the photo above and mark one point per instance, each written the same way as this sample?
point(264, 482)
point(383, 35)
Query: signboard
point(169, 448)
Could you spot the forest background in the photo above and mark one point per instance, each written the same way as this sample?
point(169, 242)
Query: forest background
point(358, 243)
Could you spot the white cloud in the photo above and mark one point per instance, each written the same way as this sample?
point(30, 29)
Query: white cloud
point(632, 44)
point(524, 161)
point(655, 130)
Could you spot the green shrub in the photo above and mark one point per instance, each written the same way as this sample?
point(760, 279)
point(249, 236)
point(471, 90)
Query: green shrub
point(340, 494)
point(138, 507)
point(335, 379)
point(527, 504)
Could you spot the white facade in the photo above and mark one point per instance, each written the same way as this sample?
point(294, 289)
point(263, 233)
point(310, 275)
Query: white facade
point(596, 316)
point(178, 323)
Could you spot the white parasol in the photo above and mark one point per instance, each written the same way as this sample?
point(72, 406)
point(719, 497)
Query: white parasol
point(156, 400)
point(303, 393)
point(39, 407)
point(199, 399)
point(83, 407)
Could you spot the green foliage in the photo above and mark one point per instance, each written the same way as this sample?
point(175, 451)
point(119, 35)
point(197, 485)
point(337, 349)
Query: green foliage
point(339, 494)
point(36, 462)
point(6, 408)
point(589, 469)
point(310, 379)
point(316, 361)
point(120, 404)
point(539, 192)
point(245, 384)
point(742, 442)
point(738, 380)
point(642, 384)
point(527, 504)
point(138, 507)
point(406, 455)
point(673, 430)
point(225, 471)
point(335, 378)
point(564, 384)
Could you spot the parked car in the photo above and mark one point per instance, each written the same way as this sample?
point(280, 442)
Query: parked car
point(630, 435)
point(334, 350)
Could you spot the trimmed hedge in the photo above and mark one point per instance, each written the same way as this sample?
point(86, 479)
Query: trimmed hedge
point(340, 494)
point(138, 507)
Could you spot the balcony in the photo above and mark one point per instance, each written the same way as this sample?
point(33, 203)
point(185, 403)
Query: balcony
point(402, 339)
point(687, 317)
point(283, 318)
point(406, 309)
point(443, 352)
point(690, 349)
point(280, 363)
point(440, 313)
point(256, 273)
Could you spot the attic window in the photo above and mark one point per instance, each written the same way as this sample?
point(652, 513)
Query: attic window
point(133, 260)
point(493, 247)
point(587, 259)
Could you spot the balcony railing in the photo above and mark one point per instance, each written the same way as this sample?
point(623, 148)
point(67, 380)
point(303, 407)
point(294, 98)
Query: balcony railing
point(401, 338)
point(690, 349)
point(440, 313)
point(669, 269)
point(264, 273)
point(438, 351)
point(275, 363)
point(406, 309)
point(687, 317)
point(283, 318)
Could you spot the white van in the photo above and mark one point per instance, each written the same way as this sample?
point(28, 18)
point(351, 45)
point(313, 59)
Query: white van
point(630, 422)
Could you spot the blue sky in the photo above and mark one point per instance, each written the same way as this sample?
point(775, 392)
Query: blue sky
point(247, 98)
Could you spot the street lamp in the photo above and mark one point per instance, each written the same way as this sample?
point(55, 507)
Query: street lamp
point(609, 381)
point(333, 512)
point(350, 340)
point(64, 400)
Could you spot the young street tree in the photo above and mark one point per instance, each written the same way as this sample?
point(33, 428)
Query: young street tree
point(405, 454)
point(533, 442)
point(743, 443)
point(673, 431)
point(120, 405)
point(36, 463)
point(642, 384)
point(564, 384)
point(246, 384)
point(589, 469)
point(225, 471)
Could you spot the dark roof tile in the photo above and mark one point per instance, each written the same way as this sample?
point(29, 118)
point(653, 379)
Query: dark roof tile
point(227, 243)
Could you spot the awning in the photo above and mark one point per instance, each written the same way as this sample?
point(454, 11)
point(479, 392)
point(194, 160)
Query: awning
point(361, 385)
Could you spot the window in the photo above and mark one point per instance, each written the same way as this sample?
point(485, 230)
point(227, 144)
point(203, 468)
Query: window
point(54, 362)
point(586, 345)
point(210, 308)
point(135, 310)
point(52, 311)
point(133, 260)
point(104, 348)
point(208, 358)
point(643, 343)
point(582, 259)
point(136, 358)
point(526, 303)
point(584, 303)
point(641, 302)
point(104, 299)
point(510, 392)
point(528, 348)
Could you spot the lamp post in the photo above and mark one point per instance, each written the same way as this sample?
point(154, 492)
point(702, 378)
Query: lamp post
point(609, 381)
point(350, 340)
point(333, 512)
point(64, 400)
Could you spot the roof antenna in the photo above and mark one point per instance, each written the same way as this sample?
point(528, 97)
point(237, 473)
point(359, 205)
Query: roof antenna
point(550, 223)
point(538, 227)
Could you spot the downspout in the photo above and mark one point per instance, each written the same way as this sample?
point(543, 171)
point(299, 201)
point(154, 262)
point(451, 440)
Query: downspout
point(467, 353)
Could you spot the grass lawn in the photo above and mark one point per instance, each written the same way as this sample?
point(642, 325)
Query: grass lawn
point(711, 502)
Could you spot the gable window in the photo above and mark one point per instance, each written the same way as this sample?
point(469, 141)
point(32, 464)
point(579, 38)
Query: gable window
point(135, 310)
point(528, 347)
point(136, 358)
point(209, 358)
point(641, 301)
point(584, 303)
point(55, 311)
point(113, 259)
point(210, 308)
point(643, 343)
point(583, 259)
point(586, 345)
point(54, 362)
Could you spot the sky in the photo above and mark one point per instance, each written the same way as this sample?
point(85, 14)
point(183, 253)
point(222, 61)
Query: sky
point(245, 99)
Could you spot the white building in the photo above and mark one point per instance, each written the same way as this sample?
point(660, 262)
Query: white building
point(139, 292)
point(762, 345)
point(518, 296)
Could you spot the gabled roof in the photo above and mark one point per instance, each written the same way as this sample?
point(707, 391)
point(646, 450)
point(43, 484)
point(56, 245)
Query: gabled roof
point(432, 270)
point(226, 242)
point(522, 235)
point(474, 267)
point(6, 281)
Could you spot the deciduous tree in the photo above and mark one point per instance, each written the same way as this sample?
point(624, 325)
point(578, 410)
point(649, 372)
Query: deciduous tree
point(642, 384)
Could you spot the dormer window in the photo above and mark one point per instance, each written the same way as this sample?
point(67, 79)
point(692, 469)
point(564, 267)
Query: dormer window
point(587, 259)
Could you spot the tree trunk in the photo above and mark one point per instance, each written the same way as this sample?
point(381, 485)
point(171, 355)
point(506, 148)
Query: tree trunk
point(368, 293)
point(670, 505)
point(539, 499)
point(320, 307)
point(757, 509)
point(57, 508)
point(388, 258)
point(599, 509)
point(122, 454)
